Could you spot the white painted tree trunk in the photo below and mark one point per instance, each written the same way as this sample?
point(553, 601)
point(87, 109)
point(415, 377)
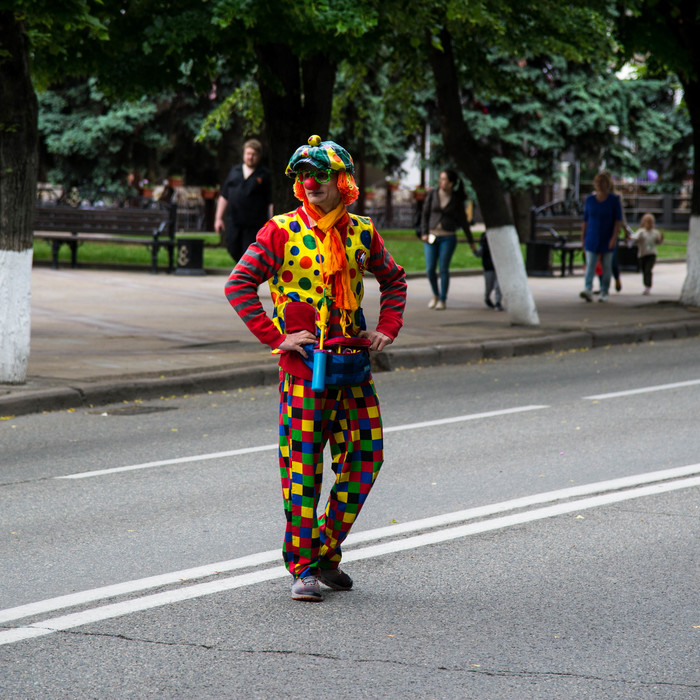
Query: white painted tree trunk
point(690, 293)
point(512, 278)
point(15, 314)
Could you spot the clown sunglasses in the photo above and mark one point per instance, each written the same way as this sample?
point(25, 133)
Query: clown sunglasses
point(321, 176)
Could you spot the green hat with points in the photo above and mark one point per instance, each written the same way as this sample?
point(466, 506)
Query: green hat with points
point(321, 155)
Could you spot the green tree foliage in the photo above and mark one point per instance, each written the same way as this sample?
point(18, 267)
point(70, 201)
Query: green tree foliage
point(366, 118)
point(654, 132)
point(93, 142)
point(242, 104)
point(297, 54)
point(26, 29)
point(557, 106)
point(518, 60)
point(477, 49)
point(664, 34)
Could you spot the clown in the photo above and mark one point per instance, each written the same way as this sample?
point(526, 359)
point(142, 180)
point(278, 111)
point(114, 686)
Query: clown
point(314, 259)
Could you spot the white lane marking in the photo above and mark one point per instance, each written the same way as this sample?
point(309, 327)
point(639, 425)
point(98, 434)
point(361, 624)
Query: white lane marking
point(644, 390)
point(460, 419)
point(176, 577)
point(167, 462)
point(517, 519)
point(65, 622)
point(156, 600)
point(264, 448)
point(72, 599)
point(524, 502)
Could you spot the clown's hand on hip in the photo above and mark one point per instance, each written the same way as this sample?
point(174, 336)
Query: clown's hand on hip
point(379, 340)
point(295, 341)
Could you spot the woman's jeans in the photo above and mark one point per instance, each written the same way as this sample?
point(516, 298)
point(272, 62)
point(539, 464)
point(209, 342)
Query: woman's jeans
point(615, 267)
point(591, 260)
point(441, 251)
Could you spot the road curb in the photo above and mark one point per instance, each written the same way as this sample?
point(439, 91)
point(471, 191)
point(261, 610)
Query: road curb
point(88, 394)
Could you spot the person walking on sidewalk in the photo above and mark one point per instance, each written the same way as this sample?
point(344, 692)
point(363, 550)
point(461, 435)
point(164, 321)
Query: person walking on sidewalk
point(646, 240)
point(443, 214)
point(315, 259)
point(602, 218)
point(245, 203)
point(625, 232)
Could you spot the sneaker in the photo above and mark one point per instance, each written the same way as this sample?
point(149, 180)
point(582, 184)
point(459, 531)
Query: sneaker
point(336, 579)
point(489, 303)
point(498, 307)
point(307, 588)
point(440, 305)
point(647, 291)
point(432, 303)
point(603, 297)
point(585, 294)
point(618, 285)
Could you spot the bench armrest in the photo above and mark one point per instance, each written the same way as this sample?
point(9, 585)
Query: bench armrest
point(558, 238)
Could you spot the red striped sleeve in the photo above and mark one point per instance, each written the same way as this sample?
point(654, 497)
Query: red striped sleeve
point(259, 263)
point(392, 287)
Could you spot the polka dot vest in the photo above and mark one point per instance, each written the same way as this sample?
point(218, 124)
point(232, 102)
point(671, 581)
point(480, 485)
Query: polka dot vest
point(300, 279)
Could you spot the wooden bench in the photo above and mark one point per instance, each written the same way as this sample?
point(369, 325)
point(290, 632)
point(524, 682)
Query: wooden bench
point(154, 228)
point(552, 233)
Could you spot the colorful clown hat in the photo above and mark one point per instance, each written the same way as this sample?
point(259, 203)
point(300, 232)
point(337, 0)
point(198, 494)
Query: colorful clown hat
point(322, 155)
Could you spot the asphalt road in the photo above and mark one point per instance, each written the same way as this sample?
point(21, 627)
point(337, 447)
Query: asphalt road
point(534, 533)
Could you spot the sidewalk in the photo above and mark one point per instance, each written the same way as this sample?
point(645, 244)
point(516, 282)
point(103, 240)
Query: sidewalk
point(104, 336)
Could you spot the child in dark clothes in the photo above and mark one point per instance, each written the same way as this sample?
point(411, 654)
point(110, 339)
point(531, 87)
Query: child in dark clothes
point(490, 279)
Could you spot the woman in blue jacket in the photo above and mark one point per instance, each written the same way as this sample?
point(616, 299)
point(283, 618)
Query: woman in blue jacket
point(602, 218)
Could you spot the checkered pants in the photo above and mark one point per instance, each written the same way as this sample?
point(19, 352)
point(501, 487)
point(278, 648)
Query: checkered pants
point(349, 417)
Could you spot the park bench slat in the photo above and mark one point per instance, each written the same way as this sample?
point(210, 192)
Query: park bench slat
point(154, 228)
point(552, 233)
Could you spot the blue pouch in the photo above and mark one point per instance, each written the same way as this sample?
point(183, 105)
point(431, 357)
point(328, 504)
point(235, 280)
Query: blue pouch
point(343, 369)
point(347, 368)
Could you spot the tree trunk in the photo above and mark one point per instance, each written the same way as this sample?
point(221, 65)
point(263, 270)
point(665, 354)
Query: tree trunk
point(297, 99)
point(521, 201)
point(690, 293)
point(229, 151)
point(18, 172)
point(475, 160)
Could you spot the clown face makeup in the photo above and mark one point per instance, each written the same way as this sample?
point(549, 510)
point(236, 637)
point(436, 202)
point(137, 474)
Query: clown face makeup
point(324, 195)
point(321, 176)
point(318, 164)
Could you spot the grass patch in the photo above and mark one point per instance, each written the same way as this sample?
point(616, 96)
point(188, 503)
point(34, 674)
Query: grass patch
point(407, 250)
point(674, 245)
point(403, 244)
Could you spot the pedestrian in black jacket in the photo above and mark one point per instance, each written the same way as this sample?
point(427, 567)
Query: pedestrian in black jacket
point(245, 203)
